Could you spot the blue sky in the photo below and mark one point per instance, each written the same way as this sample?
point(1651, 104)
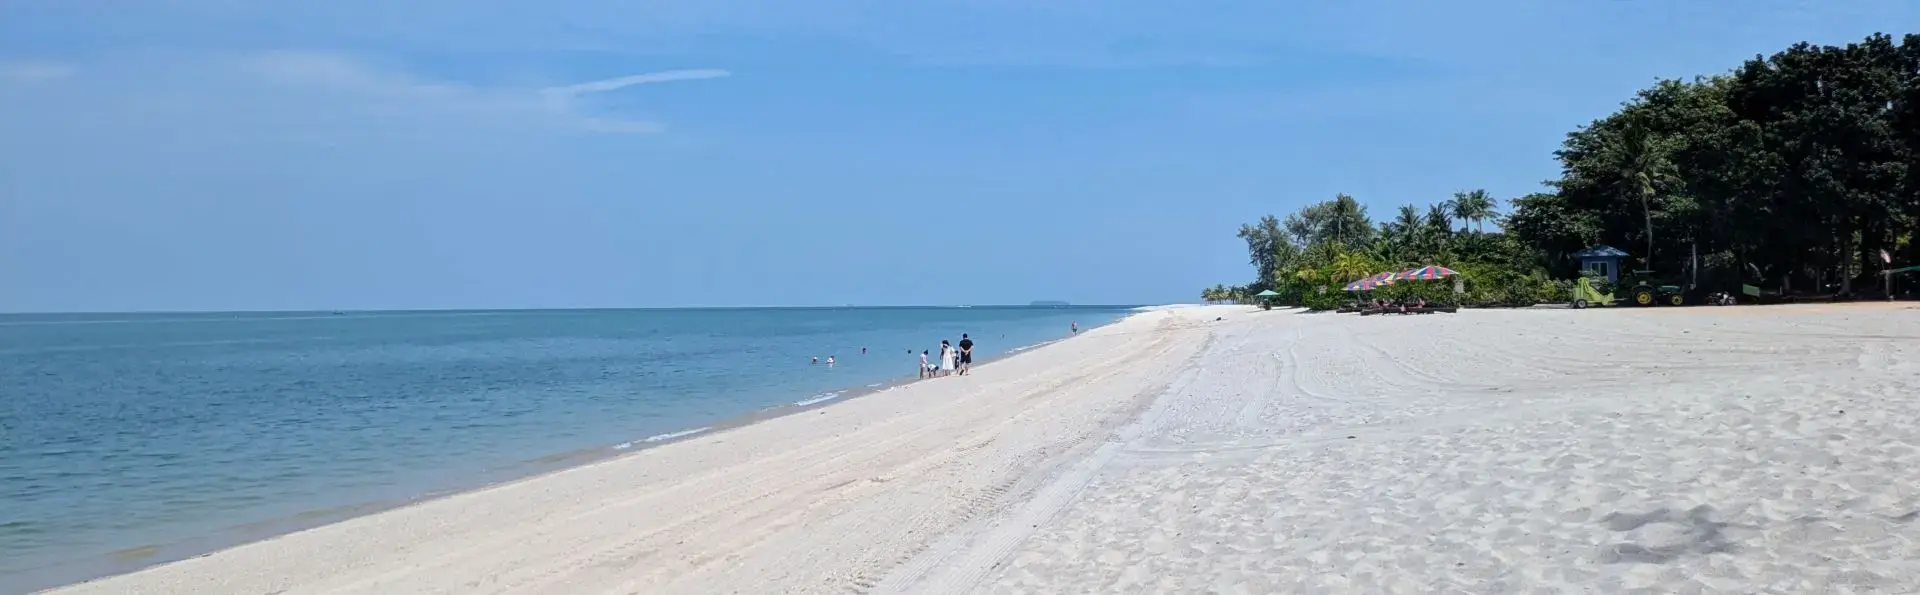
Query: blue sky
point(274, 154)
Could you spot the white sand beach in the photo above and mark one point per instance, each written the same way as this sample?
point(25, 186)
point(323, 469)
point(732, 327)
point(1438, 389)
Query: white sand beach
point(1683, 450)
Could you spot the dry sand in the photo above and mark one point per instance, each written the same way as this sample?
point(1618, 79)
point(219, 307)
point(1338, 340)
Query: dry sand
point(1722, 450)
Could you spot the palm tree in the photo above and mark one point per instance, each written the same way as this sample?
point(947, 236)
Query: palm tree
point(1409, 219)
point(1472, 206)
point(1410, 229)
point(1642, 163)
point(1439, 221)
point(1351, 266)
point(1460, 209)
point(1489, 208)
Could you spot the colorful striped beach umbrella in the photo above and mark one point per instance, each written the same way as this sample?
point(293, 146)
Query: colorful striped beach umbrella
point(1369, 283)
point(1428, 273)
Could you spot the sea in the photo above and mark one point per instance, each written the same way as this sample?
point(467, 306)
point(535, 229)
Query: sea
point(128, 440)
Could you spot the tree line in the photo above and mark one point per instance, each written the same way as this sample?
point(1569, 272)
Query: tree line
point(1792, 172)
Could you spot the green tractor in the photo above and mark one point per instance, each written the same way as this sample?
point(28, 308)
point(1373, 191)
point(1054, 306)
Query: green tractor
point(1638, 288)
point(1643, 290)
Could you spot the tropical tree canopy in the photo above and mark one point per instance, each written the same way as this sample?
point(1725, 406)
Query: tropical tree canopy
point(1790, 172)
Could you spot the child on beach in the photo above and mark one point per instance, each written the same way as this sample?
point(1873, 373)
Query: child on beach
point(926, 369)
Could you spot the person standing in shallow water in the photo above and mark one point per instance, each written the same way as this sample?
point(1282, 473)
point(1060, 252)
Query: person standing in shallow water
point(966, 354)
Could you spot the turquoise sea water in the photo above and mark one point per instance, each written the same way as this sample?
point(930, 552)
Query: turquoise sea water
point(128, 439)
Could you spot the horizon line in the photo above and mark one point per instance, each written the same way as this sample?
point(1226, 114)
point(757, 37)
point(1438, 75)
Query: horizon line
point(560, 309)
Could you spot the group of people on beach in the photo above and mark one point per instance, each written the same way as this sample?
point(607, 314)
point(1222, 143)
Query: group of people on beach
point(952, 360)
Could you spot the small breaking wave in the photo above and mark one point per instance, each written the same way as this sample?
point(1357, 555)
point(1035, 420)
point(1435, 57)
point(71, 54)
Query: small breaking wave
point(817, 399)
point(1020, 349)
point(672, 435)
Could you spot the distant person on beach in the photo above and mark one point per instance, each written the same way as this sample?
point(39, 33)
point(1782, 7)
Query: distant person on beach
point(829, 360)
point(946, 358)
point(966, 354)
point(926, 369)
point(1075, 325)
point(816, 360)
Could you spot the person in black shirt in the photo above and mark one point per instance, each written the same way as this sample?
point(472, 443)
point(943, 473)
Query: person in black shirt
point(966, 353)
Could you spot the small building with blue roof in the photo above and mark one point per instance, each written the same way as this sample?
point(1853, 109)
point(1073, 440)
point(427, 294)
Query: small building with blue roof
point(1602, 261)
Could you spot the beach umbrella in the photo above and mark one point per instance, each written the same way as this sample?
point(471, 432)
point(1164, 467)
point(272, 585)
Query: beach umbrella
point(1358, 285)
point(1266, 294)
point(1380, 280)
point(1428, 273)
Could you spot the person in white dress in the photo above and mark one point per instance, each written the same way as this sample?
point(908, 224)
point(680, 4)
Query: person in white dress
point(946, 358)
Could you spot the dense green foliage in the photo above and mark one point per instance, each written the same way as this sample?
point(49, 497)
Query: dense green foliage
point(1312, 254)
point(1792, 172)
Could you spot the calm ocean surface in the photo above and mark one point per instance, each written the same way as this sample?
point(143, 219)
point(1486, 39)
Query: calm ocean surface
point(127, 439)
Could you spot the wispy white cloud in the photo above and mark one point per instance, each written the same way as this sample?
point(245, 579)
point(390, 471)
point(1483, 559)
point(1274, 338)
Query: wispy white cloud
point(363, 81)
point(194, 109)
point(35, 70)
point(277, 157)
point(617, 83)
point(564, 99)
point(1072, 33)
